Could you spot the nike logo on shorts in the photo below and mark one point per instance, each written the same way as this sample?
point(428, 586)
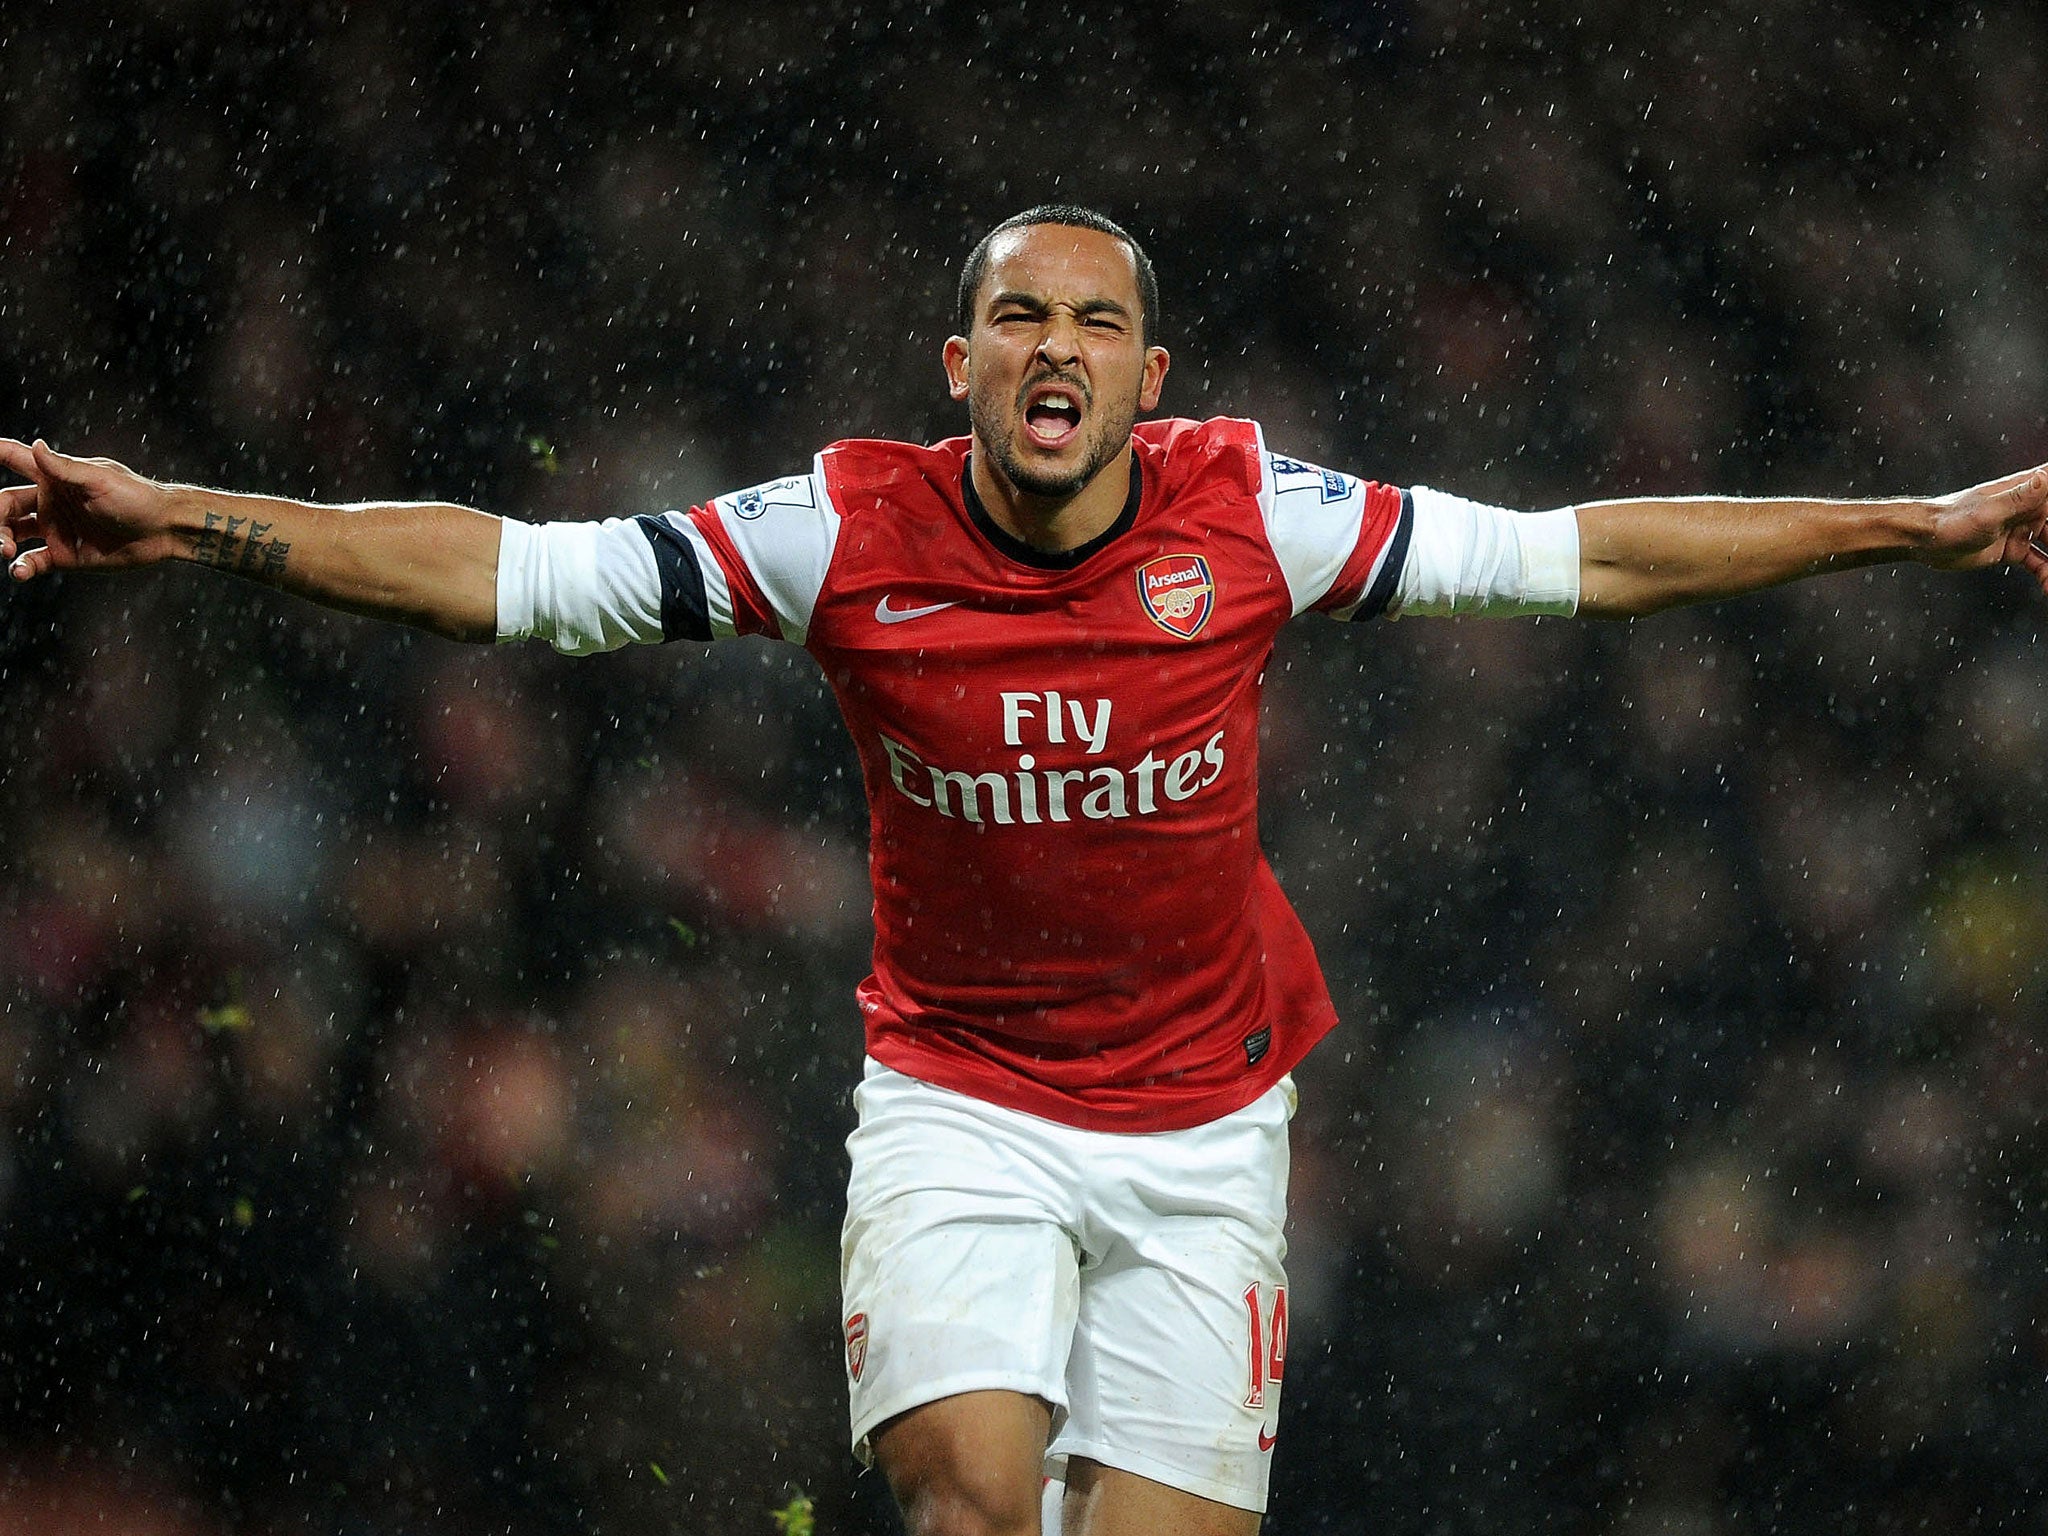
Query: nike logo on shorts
point(1266, 1441)
point(884, 614)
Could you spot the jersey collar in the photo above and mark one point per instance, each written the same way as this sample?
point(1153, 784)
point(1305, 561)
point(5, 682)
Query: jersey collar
point(1049, 559)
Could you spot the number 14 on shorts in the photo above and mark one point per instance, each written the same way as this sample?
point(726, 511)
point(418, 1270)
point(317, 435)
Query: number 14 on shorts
point(1267, 1356)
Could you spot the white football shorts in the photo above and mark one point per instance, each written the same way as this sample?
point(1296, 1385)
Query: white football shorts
point(1132, 1281)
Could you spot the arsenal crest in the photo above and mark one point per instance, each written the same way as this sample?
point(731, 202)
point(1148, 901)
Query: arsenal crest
point(1178, 593)
point(856, 1343)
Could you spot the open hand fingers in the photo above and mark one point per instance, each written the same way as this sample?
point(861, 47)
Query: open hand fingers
point(39, 462)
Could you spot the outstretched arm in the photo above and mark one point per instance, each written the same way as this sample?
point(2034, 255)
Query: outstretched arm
point(1637, 557)
point(428, 564)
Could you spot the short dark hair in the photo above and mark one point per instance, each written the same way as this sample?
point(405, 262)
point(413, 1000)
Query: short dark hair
point(1073, 216)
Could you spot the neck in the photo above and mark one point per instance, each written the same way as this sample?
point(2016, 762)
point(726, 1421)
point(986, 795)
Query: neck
point(1052, 523)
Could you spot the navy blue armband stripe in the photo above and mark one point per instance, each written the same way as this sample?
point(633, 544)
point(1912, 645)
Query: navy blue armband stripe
point(684, 613)
point(1383, 585)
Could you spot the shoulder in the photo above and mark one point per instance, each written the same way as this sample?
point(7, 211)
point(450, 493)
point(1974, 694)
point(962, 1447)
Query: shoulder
point(863, 473)
point(1180, 454)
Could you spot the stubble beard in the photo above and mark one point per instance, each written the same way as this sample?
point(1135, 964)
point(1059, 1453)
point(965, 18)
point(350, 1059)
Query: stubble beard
point(1106, 442)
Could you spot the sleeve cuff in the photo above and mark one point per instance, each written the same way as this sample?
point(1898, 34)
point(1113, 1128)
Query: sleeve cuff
point(1550, 561)
point(515, 579)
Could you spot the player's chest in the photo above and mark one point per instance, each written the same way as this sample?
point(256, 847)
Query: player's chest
point(1165, 610)
point(947, 640)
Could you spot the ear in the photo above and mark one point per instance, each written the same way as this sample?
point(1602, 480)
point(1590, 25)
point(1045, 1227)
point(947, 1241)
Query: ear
point(955, 356)
point(1152, 383)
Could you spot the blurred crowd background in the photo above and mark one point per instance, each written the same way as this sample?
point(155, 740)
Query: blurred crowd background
point(424, 1070)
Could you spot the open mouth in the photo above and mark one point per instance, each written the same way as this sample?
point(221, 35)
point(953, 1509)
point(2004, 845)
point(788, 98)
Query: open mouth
point(1053, 416)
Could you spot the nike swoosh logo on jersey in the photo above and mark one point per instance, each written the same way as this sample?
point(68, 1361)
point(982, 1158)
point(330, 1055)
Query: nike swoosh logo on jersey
point(884, 614)
point(1266, 1441)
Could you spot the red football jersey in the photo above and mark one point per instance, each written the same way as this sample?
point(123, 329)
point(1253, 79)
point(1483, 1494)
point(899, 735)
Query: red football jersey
point(1073, 916)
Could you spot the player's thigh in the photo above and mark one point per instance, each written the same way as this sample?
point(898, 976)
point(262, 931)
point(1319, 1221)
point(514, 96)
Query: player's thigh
point(1108, 1501)
point(1175, 1373)
point(1180, 1345)
point(968, 1465)
point(958, 1272)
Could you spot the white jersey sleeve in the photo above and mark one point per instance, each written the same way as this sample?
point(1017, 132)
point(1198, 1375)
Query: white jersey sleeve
point(1357, 549)
point(1465, 557)
point(748, 563)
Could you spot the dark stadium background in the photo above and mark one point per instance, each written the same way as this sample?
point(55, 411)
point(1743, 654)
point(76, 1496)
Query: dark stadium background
point(423, 1071)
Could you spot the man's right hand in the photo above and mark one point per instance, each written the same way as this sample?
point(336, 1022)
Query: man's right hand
point(88, 514)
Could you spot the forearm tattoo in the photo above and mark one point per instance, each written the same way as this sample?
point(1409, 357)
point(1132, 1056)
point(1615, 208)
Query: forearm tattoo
point(241, 545)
